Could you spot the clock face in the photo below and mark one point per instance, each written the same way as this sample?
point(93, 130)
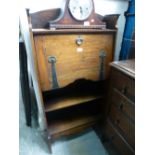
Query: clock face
point(81, 9)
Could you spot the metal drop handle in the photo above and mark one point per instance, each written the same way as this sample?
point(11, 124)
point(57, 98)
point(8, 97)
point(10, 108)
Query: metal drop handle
point(102, 56)
point(117, 121)
point(124, 89)
point(52, 60)
point(121, 105)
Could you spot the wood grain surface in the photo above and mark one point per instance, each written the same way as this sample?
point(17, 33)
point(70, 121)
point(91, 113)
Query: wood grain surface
point(64, 102)
point(71, 64)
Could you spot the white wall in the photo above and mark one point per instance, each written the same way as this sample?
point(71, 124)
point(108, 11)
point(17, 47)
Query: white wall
point(104, 7)
point(37, 5)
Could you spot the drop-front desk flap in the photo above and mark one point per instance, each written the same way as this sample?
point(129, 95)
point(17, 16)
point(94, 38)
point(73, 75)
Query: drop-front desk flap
point(64, 58)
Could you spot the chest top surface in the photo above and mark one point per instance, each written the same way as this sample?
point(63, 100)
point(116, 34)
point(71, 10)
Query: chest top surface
point(125, 66)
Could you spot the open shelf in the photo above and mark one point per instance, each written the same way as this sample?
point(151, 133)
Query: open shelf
point(64, 102)
point(72, 109)
point(58, 127)
point(75, 118)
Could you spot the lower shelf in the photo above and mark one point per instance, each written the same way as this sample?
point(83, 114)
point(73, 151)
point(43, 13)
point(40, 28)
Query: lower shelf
point(70, 124)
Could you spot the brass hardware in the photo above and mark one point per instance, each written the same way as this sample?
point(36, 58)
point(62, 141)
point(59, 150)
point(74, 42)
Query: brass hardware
point(79, 41)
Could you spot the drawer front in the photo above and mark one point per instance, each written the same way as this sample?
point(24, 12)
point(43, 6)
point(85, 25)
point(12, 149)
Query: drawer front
point(123, 104)
point(123, 84)
point(72, 61)
point(117, 140)
point(124, 125)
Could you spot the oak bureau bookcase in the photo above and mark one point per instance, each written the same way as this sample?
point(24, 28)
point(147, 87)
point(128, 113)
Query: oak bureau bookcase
point(72, 54)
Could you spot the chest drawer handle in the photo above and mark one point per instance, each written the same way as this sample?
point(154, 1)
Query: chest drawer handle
point(52, 60)
point(124, 90)
point(121, 106)
point(111, 138)
point(117, 121)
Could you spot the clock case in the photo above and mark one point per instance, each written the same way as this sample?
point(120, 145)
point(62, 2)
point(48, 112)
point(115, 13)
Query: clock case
point(58, 18)
point(66, 20)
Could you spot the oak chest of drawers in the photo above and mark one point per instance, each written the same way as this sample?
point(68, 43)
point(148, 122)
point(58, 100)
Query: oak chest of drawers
point(120, 124)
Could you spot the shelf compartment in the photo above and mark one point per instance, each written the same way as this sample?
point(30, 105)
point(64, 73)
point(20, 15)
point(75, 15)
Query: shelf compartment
point(69, 125)
point(64, 102)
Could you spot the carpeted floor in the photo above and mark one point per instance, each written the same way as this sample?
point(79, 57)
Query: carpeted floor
point(33, 142)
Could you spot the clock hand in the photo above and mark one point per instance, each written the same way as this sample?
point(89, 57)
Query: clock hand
point(81, 11)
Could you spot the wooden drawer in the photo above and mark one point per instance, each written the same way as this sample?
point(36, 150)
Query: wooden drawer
point(72, 61)
point(123, 103)
point(117, 140)
point(123, 83)
point(124, 125)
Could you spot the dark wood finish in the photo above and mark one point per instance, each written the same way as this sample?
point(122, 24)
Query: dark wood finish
point(65, 126)
point(117, 140)
point(40, 19)
point(123, 103)
point(125, 85)
point(57, 26)
point(24, 81)
point(110, 20)
point(124, 125)
point(73, 31)
point(62, 122)
point(120, 125)
point(77, 129)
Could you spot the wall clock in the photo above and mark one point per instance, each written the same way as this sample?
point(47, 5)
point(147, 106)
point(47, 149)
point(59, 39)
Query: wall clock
point(78, 14)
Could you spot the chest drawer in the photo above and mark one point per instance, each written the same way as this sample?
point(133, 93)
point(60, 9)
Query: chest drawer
point(123, 103)
point(117, 140)
point(123, 84)
point(72, 61)
point(124, 125)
